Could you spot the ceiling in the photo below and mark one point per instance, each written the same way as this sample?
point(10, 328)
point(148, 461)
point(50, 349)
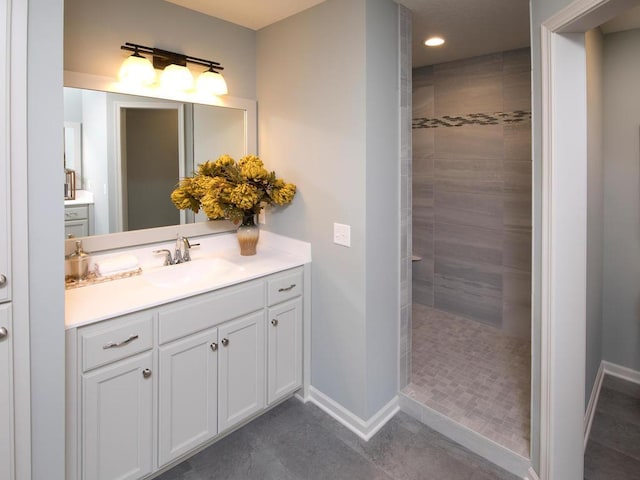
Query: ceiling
point(470, 27)
point(627, 21)
point(253, 14)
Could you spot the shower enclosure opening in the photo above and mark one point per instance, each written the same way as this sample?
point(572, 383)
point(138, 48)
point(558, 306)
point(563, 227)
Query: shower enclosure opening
point(469, 340)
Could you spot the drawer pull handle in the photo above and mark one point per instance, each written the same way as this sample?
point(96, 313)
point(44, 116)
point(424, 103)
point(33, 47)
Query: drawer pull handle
point(120, 344)
point(290, 287)
point(225, 342)
point(3, 280)
point(214, 346)
point(71, 214)
point(146, 373)
point(274, 322)
point(3, 332)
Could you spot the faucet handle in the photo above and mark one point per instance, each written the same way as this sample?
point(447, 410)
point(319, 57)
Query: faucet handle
point(168, 260)
point(186, 255)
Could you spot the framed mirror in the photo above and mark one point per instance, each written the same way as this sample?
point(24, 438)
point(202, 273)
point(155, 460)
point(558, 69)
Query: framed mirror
point(134, 148)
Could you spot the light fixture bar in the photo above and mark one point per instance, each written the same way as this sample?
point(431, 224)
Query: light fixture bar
point(163, 58)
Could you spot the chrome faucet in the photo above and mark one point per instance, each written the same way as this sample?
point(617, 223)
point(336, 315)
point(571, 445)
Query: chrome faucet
point(181, 254)
point(186, 249)
point(168, 259)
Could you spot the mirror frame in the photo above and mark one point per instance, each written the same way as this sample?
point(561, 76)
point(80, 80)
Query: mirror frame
point(121, 240)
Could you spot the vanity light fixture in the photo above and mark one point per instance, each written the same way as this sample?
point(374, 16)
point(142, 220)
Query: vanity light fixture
point(434, 41)
point(175, 74)
point(137, 70)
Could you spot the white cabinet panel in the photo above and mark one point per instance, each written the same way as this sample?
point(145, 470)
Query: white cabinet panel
point(188, 389)
point(117, 433)
point(284, 349)
point(6, 388)
point(241, 369)
point(5, 177)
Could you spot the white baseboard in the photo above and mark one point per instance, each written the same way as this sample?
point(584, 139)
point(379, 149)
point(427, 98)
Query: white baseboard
point(606, 368)
point(621, 372)
point(593, 402)
point(365, 429)
point(532, 475)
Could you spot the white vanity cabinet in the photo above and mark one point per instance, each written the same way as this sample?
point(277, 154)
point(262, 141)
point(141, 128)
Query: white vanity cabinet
point(117, 385)
point(148, 389)
point(78, 220)
point(187, 395)
point(242, 369)
point(284, 327)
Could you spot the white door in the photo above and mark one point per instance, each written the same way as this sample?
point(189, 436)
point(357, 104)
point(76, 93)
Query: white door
point(188, 389)
point(6, 389)
point(117, 415)
point(284, 329)
point(241, 369)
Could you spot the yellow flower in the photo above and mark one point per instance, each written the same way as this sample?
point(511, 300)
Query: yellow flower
point(226, 189)
point(245, 196)
point(284, 195)
point(225, 161)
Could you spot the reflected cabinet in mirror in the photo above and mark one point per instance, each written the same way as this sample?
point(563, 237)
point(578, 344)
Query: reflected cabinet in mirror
point(132, 151)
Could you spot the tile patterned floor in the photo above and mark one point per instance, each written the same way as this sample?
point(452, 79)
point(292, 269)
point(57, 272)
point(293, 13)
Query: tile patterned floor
point(613, 450)
point(473, 374)
point(300, 442)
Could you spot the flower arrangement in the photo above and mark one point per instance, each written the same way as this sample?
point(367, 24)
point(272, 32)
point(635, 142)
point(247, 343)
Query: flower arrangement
point(232, 190)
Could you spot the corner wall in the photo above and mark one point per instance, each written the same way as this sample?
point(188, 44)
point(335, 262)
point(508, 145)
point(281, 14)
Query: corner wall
point(333, 131)
point(595, 205)
point(621, 307)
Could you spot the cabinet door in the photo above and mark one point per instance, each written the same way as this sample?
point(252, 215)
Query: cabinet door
point(76, 228)
point(188, 389)
point(6, 389)
point(117, 415)
point(241, 369)
point(284, 329)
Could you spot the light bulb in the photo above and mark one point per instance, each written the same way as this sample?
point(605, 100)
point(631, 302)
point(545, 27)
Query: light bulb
point(211, 83)
point(137, 71)
point(175, 77)
point(434, 42)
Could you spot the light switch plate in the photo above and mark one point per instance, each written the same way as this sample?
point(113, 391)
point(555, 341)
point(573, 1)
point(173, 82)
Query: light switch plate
point(342, 234)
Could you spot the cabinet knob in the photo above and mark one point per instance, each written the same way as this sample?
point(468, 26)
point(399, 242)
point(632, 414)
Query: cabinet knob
point(146, 373)
point(214, 346)
point(225, 342)
point(3, 280)
point(274, 322)
point(3, 333)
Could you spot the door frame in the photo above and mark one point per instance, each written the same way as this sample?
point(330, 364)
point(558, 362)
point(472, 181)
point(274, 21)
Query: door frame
point(562, 261)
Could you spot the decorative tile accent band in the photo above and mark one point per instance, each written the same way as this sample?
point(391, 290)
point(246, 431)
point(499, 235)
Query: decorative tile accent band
point(496, 118)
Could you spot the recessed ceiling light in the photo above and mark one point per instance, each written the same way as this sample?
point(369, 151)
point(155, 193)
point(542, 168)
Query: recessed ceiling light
point(434, 41)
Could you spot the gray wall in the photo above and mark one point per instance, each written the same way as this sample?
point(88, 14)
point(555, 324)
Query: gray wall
point(595, 205)
point(472, 189)
point(622, 199)
point(46, 234)
point(95, 29)
point(329, 123)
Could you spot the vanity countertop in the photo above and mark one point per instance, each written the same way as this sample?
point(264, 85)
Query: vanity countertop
point(93, 303)
point(83, 197)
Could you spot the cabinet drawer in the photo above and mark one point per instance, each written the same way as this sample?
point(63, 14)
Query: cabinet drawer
point(190, 316)
point(115, 339)
point(285, 286)
point(76, 213)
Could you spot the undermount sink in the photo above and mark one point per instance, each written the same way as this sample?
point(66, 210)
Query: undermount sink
point(196, 271)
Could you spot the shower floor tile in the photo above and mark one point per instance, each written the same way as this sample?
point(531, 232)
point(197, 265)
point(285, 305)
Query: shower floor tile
point(474, 374)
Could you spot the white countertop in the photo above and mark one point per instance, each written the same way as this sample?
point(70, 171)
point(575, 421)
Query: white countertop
point(101, 301)
point(83, 197)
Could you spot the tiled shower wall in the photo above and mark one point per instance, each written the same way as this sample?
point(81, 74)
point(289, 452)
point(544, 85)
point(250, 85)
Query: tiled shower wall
point(472, 189)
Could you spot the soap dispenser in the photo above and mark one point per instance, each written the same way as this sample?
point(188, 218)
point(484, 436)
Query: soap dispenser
point(78, 262)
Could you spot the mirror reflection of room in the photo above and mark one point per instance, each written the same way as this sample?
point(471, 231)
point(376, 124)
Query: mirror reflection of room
point(129, 152)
